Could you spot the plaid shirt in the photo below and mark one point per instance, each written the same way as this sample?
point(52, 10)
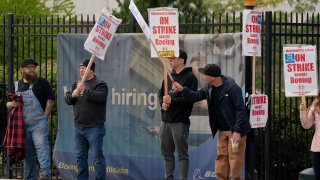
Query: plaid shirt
point(14, 139)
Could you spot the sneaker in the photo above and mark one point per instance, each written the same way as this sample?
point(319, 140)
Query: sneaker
point(43, 176)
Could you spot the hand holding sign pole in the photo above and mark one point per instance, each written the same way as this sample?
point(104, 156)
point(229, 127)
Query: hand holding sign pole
point(100, 37)
point(303, 108)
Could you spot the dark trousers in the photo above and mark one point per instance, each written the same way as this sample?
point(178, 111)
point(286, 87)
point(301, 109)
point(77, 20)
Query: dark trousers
point(316, 164)
point(174, 136)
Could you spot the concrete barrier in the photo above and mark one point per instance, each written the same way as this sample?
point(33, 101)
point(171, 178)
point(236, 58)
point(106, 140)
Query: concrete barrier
point(307, 174)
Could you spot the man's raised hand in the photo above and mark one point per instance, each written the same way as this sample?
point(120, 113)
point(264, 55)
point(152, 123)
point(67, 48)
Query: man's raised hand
point(177, 87)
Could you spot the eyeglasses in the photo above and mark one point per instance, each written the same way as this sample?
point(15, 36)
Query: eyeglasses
point(173, 58)
point(30, 67)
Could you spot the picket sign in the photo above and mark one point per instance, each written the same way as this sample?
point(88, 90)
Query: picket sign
point(251, 39)
point(100, 37)
point(300, 70)
point(164, 25)
point(146, 30)
point(251, 33)
point(258, 110)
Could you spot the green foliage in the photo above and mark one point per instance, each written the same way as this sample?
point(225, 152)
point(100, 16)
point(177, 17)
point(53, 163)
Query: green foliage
point(205, 7)
point(192, 7)
point(123, 11)
point(302, 6)
point(185, 7)
point(36, 8)
point(23, 7)
point(218, 6)
point(63, 6)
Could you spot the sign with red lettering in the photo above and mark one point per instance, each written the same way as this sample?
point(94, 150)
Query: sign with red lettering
point(300, 70)
point(251, 33)
point(258, 110)
point(101, 34)
point(164, 25)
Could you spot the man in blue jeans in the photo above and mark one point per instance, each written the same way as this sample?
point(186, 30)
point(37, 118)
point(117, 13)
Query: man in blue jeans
point(89, 101)
point(37, 99)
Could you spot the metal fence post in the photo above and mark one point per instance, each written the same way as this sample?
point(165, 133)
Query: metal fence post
point(10, 75)
point(250, 158)
point(268, 65)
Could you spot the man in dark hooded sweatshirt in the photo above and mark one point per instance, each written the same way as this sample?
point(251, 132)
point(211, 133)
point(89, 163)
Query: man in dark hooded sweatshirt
point(174, 129)
point(89, 100)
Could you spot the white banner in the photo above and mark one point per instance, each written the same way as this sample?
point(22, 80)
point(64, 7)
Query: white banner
point(102, 34)
point(258, 110)
point(164, 23)
point(143, 25)
point(300, 70)
point(251, 33)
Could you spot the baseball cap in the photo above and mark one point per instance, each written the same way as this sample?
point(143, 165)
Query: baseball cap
point(86, 62)
point(28, 61)
point(183, 55)
point(211, 70)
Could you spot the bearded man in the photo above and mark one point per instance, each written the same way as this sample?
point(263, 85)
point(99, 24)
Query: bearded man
point(37, 102)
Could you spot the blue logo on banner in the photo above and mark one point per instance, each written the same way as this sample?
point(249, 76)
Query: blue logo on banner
point(101, 21)
point(289, 58)
point(259, 19)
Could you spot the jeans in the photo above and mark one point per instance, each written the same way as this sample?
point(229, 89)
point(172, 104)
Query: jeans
point(174, 136)
point(89, 138)
point(36, 145)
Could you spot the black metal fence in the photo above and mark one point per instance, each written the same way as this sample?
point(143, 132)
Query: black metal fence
point(281, 150)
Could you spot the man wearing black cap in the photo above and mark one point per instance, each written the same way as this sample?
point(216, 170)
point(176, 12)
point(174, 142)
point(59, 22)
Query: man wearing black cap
point(89, 100)
point(227, 114)
point(174, 129)
point(38, 99)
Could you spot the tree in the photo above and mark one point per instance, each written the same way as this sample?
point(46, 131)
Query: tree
point(36, 7)
point(186, 7)
point(201, 8)
point(302, 5)
point(192, 7)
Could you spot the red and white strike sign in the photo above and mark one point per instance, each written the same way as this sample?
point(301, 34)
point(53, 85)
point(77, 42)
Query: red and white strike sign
point(102, 34)
point(251, 33)
point(300, 70)
point(258, 110)
point(164, 25)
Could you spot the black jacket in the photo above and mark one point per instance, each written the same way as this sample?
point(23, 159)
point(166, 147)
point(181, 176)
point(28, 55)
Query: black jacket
point(90, 108)
point(180, 107)
point(231, 103)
